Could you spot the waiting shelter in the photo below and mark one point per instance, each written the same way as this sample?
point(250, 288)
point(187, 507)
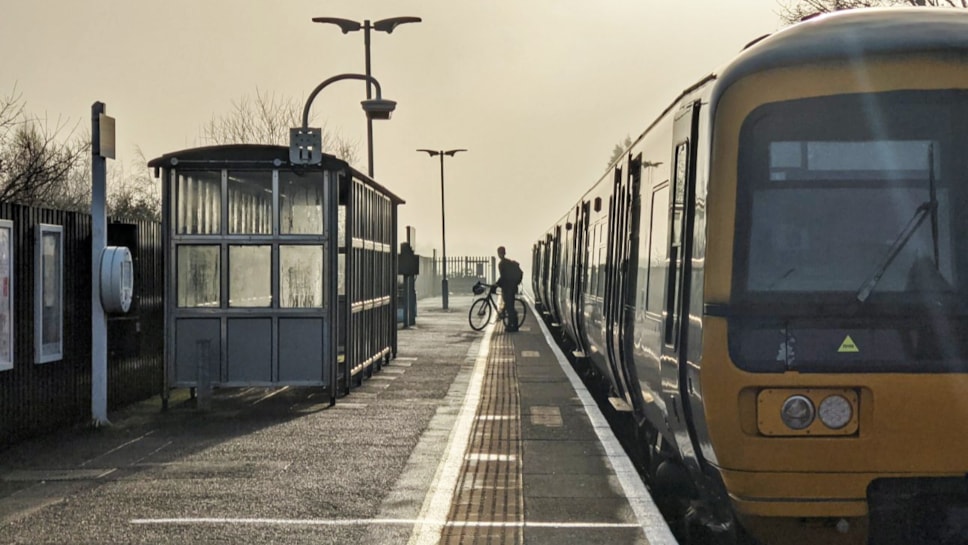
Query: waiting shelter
point(278, 274)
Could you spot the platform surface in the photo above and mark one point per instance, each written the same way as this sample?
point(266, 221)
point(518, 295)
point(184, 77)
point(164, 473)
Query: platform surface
point(465, 438)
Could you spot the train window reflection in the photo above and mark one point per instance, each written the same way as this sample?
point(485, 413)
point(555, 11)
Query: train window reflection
point(833, 239)
point(658, 250)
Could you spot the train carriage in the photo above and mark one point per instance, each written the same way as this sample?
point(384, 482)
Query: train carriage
point(772, 279)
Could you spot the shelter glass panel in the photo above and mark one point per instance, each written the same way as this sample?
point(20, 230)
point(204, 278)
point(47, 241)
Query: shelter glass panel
point(250, 276)
point(199, 272)
point(341, 281)
point(198, 203)
point(250, 203)
point(301, 276)
point(341, 222)
point(301, 201)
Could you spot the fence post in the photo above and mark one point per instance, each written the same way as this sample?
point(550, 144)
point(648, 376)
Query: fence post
point(433, 273)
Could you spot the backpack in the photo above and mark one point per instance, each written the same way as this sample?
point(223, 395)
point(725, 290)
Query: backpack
point(515, 274)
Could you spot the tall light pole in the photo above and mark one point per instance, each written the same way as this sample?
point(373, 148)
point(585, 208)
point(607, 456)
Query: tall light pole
point(383, 25)
point(443, 220)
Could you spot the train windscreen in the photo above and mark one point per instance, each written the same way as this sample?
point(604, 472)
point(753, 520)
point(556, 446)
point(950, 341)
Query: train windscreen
point(848, 216)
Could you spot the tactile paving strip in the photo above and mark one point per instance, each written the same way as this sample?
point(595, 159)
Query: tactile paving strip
point(489, 506)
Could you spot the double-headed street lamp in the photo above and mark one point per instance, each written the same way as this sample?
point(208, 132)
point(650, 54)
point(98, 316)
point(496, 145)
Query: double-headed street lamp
point(383, 25)
point(443, 221)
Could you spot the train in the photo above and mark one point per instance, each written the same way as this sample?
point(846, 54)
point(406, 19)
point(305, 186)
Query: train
point(772, 283)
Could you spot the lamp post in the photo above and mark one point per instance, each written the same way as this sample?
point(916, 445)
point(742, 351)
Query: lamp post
point(443, 221)
point(383, 25)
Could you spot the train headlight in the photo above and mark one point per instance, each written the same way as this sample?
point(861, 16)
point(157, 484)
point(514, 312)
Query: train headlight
point(835, 412)
point(797, 412)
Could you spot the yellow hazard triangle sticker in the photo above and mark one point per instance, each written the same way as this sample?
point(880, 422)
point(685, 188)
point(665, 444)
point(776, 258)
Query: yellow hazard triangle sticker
point(848, 346)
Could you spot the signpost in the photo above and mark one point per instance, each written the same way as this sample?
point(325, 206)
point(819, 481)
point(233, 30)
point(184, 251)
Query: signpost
point(102, 148)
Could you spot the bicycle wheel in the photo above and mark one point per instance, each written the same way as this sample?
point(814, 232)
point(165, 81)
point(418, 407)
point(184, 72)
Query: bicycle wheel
point(479, 315)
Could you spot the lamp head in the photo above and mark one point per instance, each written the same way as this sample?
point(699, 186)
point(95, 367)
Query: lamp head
point(387, 25)
point(378, 108)
point(345, 25)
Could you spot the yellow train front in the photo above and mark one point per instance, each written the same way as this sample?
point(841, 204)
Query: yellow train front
point(803, 372)
point(835, 328)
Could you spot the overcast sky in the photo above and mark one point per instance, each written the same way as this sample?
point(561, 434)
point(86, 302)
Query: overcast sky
point(538, 91)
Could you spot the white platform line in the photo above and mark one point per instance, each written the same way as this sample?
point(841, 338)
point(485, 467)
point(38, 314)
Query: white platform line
point(115, 449)
point(440, 496)
point(653, 524)
point(365, 522)
point(270, 394)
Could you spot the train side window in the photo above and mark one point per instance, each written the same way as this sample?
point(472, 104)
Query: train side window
point(602, 257)
point(680, 185)
point(658, 250)
point(593, 261)
point(676, 260)
point(589, 261)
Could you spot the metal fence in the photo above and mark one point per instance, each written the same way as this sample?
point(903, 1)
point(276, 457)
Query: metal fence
point(35, 398)
point(462, 273)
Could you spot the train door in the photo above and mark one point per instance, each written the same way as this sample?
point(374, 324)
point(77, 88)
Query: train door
point(578, 274)
point(548, 304)
point(564, 267)
point(675, 379)
point(614, 299)
point(536, 263)
point(624, 258)
point(556, 274)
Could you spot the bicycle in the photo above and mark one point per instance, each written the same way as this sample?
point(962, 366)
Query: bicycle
point(483, 307)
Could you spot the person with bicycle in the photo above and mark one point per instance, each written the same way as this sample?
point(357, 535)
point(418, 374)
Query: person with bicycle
point(510, 276)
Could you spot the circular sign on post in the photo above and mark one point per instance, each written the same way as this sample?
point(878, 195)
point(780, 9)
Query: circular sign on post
point(117, 279)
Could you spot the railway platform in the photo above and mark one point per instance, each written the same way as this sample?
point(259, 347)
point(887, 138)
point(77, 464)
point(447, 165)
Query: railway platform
point(465, 438)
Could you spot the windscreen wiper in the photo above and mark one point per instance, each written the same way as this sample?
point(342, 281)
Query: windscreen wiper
point(928, 207)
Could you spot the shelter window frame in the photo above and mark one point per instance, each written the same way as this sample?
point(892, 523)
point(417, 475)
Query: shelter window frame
point(6, 295)
point(49, 294)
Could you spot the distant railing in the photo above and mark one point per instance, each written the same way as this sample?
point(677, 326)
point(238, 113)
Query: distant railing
point(462, 273)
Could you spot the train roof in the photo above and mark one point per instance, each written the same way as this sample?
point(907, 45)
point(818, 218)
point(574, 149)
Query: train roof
point(850, 36)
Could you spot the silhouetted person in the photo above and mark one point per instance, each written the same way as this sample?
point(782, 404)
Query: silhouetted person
point(510, 276)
